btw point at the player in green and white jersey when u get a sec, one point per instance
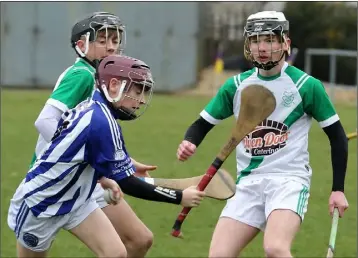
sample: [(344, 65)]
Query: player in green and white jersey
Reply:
[(92, 39), (96, 36), (273, 167)]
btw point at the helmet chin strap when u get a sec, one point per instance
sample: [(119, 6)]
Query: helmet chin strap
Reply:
[(271, 64), (122, 113), (83, 54), (79, 51), (120, 93)]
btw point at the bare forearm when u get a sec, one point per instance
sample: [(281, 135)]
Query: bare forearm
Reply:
[(135, 163)]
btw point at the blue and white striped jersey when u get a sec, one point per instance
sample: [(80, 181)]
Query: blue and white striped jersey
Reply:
[(87, 145)]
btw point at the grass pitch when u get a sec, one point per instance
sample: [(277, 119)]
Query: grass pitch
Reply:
[(154, 139)]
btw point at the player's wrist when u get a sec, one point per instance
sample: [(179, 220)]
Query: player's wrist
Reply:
[(135, 163), (138, 188), (338, 181), (338, 188)]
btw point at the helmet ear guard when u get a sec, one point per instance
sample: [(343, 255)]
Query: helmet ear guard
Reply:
[(103, 86), (78, 50)]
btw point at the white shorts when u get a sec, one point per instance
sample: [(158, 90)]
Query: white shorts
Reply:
[(257, 197), (37, 234), (98, 196)]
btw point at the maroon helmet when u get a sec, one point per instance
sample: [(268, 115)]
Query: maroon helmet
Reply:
[(130, 72)]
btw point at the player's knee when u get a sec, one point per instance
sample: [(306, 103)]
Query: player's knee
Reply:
[(275, 249), (146, 241), (142, 242)]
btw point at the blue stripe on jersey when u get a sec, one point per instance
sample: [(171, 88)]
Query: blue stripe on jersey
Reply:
[(43, 168), (42, 206), (112, 125), (66, 206), (51, 182), (94, 183), (62, 136), (116, 129), (110, 164), (22, 221), (75, 147), (67, 156), (19, 215)]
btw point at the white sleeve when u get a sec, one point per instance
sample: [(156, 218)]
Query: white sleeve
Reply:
[(46, 123)]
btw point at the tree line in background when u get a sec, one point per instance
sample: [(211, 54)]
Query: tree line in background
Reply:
[(312, 25), (322, 25)]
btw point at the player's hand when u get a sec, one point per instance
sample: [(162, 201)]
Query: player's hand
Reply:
[(185, 150), (142, 169), (192, 197), (116, 191), (338, 200)]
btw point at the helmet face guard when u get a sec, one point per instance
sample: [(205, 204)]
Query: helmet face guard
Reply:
[(265, 23), (138, 91), (144, 92)]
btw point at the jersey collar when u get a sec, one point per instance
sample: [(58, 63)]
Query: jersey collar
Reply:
[(273, 77), (85, 63)]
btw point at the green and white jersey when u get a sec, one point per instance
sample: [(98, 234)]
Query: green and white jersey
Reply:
[(73, 86), (279, 145)]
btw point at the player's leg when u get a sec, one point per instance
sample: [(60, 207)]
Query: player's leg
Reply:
[(286, 204), (230, 237), (281, 228), (23, 252), (93, 228), (240, 221), (136, 237)]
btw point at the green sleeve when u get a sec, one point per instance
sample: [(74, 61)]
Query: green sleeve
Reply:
[(317, 103), (75, 87), (221, 106)]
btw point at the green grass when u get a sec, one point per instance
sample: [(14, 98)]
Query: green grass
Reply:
[(154, 139)]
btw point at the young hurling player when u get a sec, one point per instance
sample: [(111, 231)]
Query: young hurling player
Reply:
[(88, 146), (98, 35), (274, 174)]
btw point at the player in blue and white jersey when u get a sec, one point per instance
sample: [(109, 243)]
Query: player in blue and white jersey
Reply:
[(95, 36), (88, 146)]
